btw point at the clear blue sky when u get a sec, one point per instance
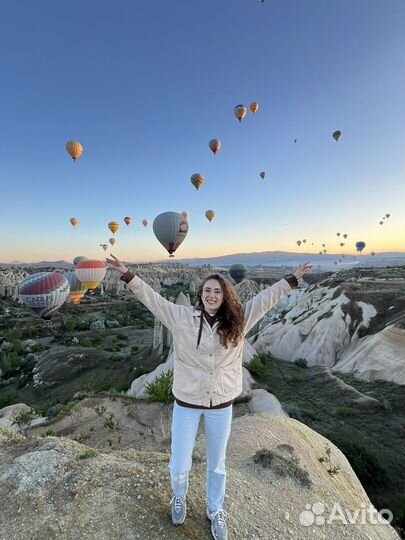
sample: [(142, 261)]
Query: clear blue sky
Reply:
[(145, 85)]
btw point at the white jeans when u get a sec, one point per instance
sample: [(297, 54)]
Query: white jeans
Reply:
[(185, 424)]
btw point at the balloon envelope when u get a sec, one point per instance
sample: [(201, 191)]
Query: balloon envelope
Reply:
[(90, 272), (74, 221), (254, 107), (215, 145), (263, 175), (44, 292), (240, 111), (197, 180), (77, 288), (112, 241), (145, 222), (360, 246), (128, 220), (210, 215), (336, 135), (170, 229), (78, 259), (114, 226), (74, 149), (186, 215), (238, 272)]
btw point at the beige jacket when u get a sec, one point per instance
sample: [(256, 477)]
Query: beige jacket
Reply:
[(211, 372)]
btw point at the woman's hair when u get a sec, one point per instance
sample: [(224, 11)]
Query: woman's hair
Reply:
[(230, 314)]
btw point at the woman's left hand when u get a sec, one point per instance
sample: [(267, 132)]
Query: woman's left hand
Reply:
[(303, 269)]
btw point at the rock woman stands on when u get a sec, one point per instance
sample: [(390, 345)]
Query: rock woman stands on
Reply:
[(208, 345)]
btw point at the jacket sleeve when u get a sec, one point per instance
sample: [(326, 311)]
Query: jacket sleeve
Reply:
[(264, 301), (167, 312)]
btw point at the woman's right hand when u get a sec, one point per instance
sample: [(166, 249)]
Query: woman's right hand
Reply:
[(116, 264)]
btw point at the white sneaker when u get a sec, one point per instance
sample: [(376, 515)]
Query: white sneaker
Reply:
[(219, 529), (178, 509)]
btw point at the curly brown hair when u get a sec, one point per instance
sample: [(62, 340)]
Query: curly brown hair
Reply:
[(230, 314)]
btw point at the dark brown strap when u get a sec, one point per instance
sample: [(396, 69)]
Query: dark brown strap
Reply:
[(127, 277), (192, 406), (291, 280)]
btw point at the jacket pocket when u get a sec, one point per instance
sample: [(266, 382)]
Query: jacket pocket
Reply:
[(187, 379), (230, 379)]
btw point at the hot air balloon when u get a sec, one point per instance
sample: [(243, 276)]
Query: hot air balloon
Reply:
[(197, 180), (91, 273), (304, 240), (74, 221), (254, 107), (145, 222), (104, 246), (238, 272), (295, 140), (186, 215), (114, 226), (240, 112), (343, 256), (170, 229), (324, 250), (44, 292), (336, 135), (336, 262), (127, 220), (215, 145), (78, 259), (387, 215), (338, 234), (263, 175), (210, 215), (381, 223), (372, 253), (320, 253), (360, 246), (323, 245), (77, 288), (345, 235), (298, 242), (74, 149), (112, 241), (341, 244)]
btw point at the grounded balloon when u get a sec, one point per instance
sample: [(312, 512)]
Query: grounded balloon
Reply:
[(78, 259), (262, 175), (254, 107), (74, 149), (336, 262), (145, 222), (343, 256), (114, 226), (128, 220), (170, 229), (360, 246), (210, 215), (240, 112), (74, 221), (238, 272), (197, 180), (77, 288), (90, 273), (186, 215), (298, 242), (336, 135), (215, 145), (112, 241), (44, 292)]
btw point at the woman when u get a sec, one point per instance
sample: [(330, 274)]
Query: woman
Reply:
[(207, 346)]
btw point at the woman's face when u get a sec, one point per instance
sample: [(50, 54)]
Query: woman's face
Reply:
[(212, 296)]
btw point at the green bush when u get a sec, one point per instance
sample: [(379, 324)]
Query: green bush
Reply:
[(86, 343), (70, 325), (256, 367), (9, 397), (11, 362), (161, 388), (345, 411)]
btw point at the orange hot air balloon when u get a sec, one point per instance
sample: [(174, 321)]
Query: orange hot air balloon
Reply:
[(254, 107), (145, 222), (128, 220), (186, 215), (197, 180), (74, 221), (114, 226), (74, 149), (215, 145), (90, 273), (210, 215), (112, 241)]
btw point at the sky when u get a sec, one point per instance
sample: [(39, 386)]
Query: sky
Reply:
[(144, 86)]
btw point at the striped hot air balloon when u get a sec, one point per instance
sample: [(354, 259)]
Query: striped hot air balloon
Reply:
[(78, 259), (114, 226), (44, 292), (91, 273), (77, 288), (197, 180)]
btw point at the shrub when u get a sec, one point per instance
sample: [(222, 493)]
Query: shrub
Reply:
[(54, 410), (70, 325), (86, 343), (283, 465), (345, 411), (293, 411), (90, 453), (9, 397), (301, 362), (256, 367), (364, 462), (23, 420), (161, 388)]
